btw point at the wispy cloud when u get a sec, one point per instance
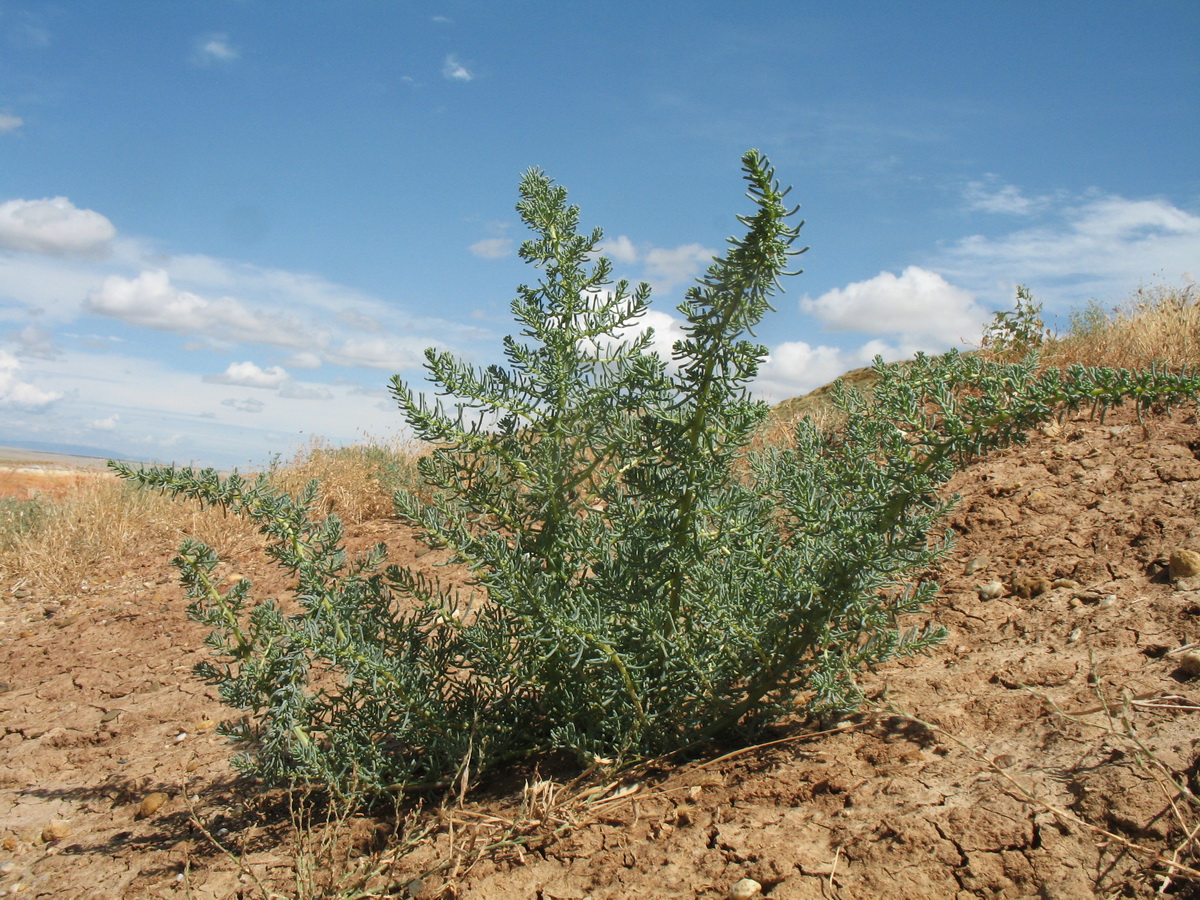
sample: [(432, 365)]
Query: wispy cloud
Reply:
[(36, 343), (454, 70), (28, 34), (9, 122), (1092, 247), (249, 405), (492, 248), (992, 196), (214, 49), (392, 354)]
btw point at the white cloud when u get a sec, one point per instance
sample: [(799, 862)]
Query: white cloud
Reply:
[(294, 391), (36, 343), (106, 424), (388, 353), (492, 248), (917, 304), (247, 374), (453, 70), (992, 196), (304, 360), (663, 267), (249, 405), (796, 367), (620, 249), (151, 301), (667, 267), (1099, 247), (9, 122), (55, 227), (18, 393), (667, 330), (359, 321), (213, 48)]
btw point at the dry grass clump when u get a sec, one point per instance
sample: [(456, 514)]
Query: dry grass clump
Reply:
[(357, 482), (56, 544), (1157, 326), (53, 544)]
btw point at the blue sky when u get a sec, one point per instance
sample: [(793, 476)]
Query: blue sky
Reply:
[(224, 224)]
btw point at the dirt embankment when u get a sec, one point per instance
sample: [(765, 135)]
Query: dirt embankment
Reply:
[(1045, 691)]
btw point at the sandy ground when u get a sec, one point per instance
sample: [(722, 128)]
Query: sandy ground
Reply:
[(985, 769)]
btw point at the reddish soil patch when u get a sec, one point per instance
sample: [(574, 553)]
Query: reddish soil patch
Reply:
[(26, 482), (98, 711)]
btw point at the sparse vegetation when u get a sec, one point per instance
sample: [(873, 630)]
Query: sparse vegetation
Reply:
[(54, 545), (645, 590), (1157, 326), (832, 511), (358, 482)]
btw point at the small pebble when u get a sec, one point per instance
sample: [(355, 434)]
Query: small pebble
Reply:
[(55, 830), (1184, 563), (744, 889), (150, 804), (1106, 602), (975, 564), (205, 725), (1190, 663), (990, 591), (6, 867), (181, 736)]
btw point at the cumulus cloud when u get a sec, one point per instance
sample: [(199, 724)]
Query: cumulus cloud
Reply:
[(917, 304), (797, 367), (213, 49), (17, 393), (151, 301), (109, 423), (454, 70), (492, 248), (667, 330), (247, 374), (54, 227), (9, 122)]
